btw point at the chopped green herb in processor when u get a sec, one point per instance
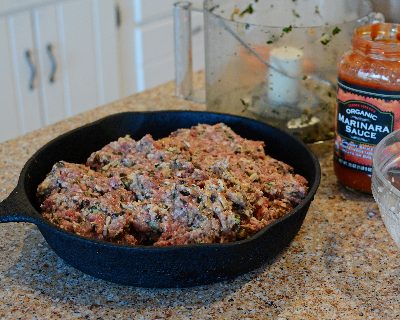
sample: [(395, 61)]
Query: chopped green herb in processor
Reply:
[(248, 10)]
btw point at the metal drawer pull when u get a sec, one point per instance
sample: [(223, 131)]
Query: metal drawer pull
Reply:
[(53, 63), (197, 30), (118, 20), (28, 56)]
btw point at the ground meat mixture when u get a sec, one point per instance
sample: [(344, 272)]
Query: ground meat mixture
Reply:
[(205, 184)]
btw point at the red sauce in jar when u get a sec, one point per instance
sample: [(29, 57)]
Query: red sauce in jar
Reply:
[(368, 105)]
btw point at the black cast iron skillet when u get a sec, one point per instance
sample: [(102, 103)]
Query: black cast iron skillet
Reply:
[(147, 266)]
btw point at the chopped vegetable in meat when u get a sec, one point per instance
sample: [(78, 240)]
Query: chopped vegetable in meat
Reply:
[(205, 184)]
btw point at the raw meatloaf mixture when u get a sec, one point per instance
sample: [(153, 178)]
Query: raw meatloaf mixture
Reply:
[(200, 185)]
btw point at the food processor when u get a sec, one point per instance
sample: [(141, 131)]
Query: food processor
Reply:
[(272, 60)]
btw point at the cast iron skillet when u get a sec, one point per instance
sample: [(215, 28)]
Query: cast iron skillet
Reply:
[(146, 266)]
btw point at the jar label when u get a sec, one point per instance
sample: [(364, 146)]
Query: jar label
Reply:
[(364, 117)]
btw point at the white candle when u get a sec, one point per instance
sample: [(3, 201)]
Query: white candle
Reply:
[(283, 75)]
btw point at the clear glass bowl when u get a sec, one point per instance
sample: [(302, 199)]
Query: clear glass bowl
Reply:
[(386, 182)]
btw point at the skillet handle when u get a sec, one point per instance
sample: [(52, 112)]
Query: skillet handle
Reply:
[(16, 208)]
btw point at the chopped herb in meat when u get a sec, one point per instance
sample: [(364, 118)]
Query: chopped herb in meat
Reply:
[(205, 184)]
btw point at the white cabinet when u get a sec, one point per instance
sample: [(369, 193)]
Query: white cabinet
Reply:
[(146, 43), (155, 44), (126, 47), (89, 53), (19, 97), (62, 57), (48, 47), (10, 124), (58, 60), (147, 11)]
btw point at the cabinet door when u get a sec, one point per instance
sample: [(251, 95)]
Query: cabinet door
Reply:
[(155, 51), (154, 54), (10, 124), (77, 45), (78, 55), (126, 47), (47, 37), (87, 52), (152, 10), (106, 41), (19, 95)]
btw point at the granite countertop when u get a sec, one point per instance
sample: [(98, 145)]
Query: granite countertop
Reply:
[(342, 264)]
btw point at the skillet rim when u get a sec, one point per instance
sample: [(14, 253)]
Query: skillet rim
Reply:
[(38, 219)]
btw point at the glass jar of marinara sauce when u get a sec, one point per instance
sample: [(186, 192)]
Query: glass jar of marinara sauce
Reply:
[(368, 101)]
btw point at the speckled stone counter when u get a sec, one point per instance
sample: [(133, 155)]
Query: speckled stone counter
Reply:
[(341, 265)]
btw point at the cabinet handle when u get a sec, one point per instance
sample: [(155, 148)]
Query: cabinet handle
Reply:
[(28, 56), (197, 30), (53, 62), (117, 16)]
